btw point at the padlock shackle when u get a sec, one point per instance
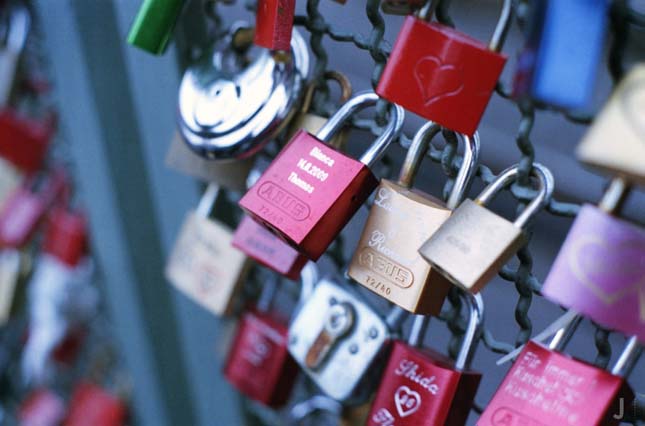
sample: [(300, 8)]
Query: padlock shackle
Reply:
[(615, 196), (395, 317), (207, 201), (316, 403), (563, 336), (19, 26), (267, 294), (349, 108), (546, 184), (417, 151), (342, 80), (475, 304), (628, 358), (417, 332)]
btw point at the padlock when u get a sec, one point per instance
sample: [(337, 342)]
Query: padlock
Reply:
[(310, 191), (203, 265), (227, 174), (474, 243), (401, 7), (386, 260), (42, 407), (18, 27), (621, 122), (340, 342), (234, 100), (154, 24), (274, 24), (423, 388), (442, 74), (91, 404), (563, 50), (24, 140), (309, 121), (546, 387), (600, 268), (268, 250), (259, 364)]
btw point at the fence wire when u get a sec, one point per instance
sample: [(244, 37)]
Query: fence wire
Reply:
[(622, 19)]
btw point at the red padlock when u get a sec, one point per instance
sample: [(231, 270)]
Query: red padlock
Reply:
[(274, 24), (92, 405), (310, 191), (442, 74), (259, 364), (548, 388), (41, 408), (265, 248), (26, 207), (24, 141), (421, 387), (66, 236)]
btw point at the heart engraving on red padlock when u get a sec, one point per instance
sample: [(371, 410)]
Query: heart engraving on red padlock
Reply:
[(437, 80), (597, 279), (407, 401)]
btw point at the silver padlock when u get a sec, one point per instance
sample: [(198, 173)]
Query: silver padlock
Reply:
[(340, 342), (17, 23), (234, 100)]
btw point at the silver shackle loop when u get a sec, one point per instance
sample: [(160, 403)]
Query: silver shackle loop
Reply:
[(475, 304)]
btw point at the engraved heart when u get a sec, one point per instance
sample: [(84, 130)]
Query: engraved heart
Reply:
[(407, 401), (437, 80), (632, 101), (610, 271)]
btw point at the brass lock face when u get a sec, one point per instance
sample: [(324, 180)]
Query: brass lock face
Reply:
[(473, 229), (386, 259), (615, 142), (204, 266)]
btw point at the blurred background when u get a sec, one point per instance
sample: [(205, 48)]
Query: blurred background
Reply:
[(149, 344)]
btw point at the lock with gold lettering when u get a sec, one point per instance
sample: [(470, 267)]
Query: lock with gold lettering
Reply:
[(203, 264), (310, 191), (421, 387), (386, 260), (615, 142), (475, 243)]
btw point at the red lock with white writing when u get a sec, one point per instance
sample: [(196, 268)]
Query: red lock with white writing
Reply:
[(442, 74), (265, 248), (310, 191), (259, 364), (421, 387), (545, 387), (274, 24)]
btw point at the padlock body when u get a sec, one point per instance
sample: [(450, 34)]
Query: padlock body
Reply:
[(92, 405), (615, 142), (19, 218), (549, 388), (441, 74), (261, 245), (204, 266), (227, 174), (274, 24), (24, 141), (560, 61), (42, 407), (259, 364), (599, 271), (154, 24), (347, 374), (386, 259), (422, 388), (472, 246), (309, 193)]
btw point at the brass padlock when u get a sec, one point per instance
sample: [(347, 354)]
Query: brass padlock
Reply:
[(615, 142), (227, 174), (386, 260), (203, 264), (474, 243), (312, 122)]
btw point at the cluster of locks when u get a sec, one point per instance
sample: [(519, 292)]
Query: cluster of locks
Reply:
[(414, 248), (52, 370)]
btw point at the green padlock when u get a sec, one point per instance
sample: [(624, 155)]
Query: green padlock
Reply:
[(154, 25)]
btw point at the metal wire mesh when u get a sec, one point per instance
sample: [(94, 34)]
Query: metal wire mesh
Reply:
[(527, 285)]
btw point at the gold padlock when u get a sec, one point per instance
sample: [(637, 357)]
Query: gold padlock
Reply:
[(311, 122), (386, 260), (203, 264), (474, 243), (230, 174), (401, 7), (615, 143)]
